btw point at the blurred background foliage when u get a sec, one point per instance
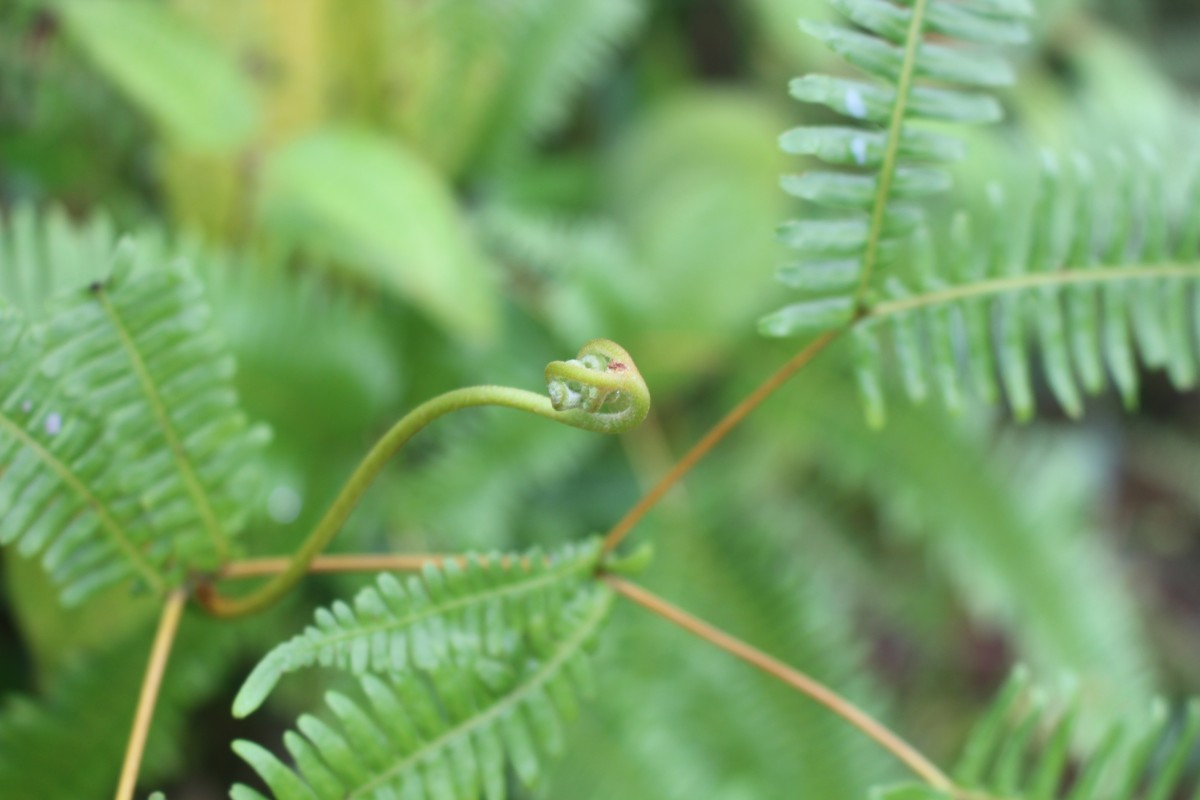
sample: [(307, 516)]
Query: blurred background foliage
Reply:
[(390, 199)]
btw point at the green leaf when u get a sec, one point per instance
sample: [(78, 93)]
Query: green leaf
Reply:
[(58, 494), (377, 209), (813, 316), (124, 451), (1081, 304), (1022, 748), (44, 254), (450, 610), (184, 81), (875, 210), (468, 728), (561, 46)]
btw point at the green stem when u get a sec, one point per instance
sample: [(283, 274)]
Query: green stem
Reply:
[(1017, 283), (363, 476), (600, 391), (887, 170)]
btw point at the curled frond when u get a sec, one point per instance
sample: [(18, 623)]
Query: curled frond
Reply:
[(1103, 276), (449, 732), (450, 611), (887, 164), (599, 390)]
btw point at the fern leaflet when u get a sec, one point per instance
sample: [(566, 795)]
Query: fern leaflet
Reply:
[(123, 449), (142, 346), (889, 169), (57, 480), (44, 254), (448, 732), (449, 611), (1089, 301), (1021, 749)]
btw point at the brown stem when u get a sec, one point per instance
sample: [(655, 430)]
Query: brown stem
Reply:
[(387, 562), (822, 694), (752, 401), (160, 651)]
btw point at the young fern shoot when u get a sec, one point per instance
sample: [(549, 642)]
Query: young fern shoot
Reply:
[(601, 390)]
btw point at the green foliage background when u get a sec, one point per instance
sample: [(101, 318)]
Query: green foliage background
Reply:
[(387, 200)]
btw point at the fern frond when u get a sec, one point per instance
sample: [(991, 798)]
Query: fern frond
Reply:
[(889, 164), (448, 733), (485, 79), (1022, 749), (1097, 282), (143, 346), (45, 254), (450, 611), (123, 450), (58, 486)]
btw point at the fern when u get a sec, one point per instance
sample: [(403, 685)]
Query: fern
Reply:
[(45, 254), (451, 610), (446, 732), (1022, 749), (488, 78), (891, 163), (124, 453), (1096, 283)]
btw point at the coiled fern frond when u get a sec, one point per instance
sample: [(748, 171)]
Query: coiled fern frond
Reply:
[(447, 731), (889, 164), (450, 611), (1022, 748), (1106, 273)]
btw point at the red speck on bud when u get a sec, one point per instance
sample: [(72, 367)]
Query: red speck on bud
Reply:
[(616, 366)]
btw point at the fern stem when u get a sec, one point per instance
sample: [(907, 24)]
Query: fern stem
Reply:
[(887, 169), (368, 562), (622, 528), (996, 286), (160, 651), (365, 474), (902, 750), (362, 478)]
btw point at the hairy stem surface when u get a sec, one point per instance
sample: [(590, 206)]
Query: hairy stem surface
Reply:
[(817, 691)]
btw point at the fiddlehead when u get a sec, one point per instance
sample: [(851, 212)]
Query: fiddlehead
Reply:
[(598, 390)]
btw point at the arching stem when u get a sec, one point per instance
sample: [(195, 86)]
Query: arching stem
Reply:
[(600, 390), (366, 472)]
